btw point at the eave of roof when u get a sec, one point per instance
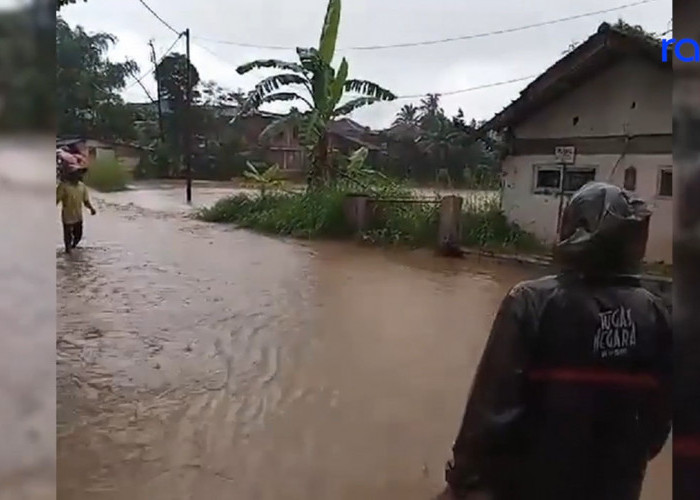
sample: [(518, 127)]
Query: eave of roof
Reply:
[(596, 54)]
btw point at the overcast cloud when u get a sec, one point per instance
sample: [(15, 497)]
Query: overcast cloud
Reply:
[(406, 71)]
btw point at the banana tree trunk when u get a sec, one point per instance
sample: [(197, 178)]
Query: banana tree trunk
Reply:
[(320, 166), (324, 158)]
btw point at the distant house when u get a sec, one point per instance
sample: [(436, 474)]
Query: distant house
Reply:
[(128, 155), (347, 135), (285, 148), (610, 100)]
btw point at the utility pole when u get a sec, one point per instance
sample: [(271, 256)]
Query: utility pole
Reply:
[(562, 193), (187, 125), (565, 155), (160, 106)]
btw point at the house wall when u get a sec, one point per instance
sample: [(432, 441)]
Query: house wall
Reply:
[(603, 107), (100, 149), (127, 156), (538, 213), (283, 149)]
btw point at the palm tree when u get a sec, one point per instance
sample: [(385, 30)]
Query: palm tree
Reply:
[(408, 116), (437, 141), (430, 106), (318, 88)]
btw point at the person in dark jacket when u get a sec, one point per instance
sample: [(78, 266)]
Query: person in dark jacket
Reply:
[(572, 396)]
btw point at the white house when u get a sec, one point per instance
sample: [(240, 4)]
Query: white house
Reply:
[(608, 101)]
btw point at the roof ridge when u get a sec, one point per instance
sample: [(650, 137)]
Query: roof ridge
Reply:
[(611, 39)]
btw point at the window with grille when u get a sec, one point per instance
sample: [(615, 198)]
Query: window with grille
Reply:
[(548, 178), (665, 182), (630, 183)]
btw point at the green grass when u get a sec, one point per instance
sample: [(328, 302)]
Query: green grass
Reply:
[(107, 176), (484, 225), (411, 224), (319, 214)]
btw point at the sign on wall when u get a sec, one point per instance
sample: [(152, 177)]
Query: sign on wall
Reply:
[(565, 154)]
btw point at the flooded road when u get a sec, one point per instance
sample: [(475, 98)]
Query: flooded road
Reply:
[(202, 361)]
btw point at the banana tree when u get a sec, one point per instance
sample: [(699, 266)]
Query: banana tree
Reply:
[(269, 179), (315, 85)]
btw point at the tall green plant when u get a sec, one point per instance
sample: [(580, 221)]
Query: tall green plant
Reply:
[(88, 85), (267, 180), (319, 88)]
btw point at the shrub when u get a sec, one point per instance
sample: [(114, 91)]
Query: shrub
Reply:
[(413, 224), (312, 214), (490, 229), (319, 214), (107, 175)]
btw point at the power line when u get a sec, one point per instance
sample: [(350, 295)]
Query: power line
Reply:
[(214, 54), (444, 40), (163, 22), (412, 44), (468, 89), (414, 96), (187, 154), (503, 31), (169, 26), (150, 72)]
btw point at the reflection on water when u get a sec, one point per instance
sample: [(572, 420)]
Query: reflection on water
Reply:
[(199, 361)]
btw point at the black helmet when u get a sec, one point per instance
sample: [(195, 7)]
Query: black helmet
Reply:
[(604, 230)]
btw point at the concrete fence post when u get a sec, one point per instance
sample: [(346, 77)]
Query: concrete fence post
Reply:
[(450, 227), (356, 208)]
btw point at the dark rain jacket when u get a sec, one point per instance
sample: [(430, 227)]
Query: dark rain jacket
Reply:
[(572, 395)]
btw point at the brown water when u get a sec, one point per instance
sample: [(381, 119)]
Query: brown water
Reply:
[(200, 361)]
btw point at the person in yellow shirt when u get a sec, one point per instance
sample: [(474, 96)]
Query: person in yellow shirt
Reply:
[(72, 194)]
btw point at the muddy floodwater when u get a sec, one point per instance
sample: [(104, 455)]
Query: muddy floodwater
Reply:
[(200, 361)]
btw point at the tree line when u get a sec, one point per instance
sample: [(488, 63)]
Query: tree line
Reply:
[(422, 144), (426, 144), (89, 104)]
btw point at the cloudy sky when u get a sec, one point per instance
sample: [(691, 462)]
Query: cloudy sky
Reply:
[(407, 71)]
